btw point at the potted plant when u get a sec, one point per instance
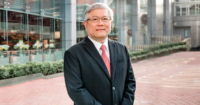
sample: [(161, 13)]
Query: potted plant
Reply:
[(3, 48), (36, 46), (20, 46), (26, 47)]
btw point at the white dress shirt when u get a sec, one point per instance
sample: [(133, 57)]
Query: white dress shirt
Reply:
[(98, 46)]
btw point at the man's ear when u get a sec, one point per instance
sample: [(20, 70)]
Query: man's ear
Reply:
[(85, 24)]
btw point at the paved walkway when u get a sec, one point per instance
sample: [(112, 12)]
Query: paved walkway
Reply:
[(167, 80)]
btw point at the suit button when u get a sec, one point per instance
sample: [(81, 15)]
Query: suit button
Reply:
[(113, 88)]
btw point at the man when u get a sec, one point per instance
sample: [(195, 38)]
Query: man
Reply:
[(98, 70)]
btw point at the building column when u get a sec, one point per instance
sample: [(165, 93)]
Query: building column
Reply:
[(151, 18), (135, 16), (194, 34), (167, 17), (68, 37), (121, 17)]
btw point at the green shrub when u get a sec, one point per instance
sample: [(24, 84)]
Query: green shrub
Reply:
[(158, 49), (144, 55), (17, 70), (170, 48), (5, 73), (183, 47), (133, 58), (150, 53), (139, 56), (157, 52)]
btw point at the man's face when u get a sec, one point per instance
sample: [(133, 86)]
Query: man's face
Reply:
[(98, 30)]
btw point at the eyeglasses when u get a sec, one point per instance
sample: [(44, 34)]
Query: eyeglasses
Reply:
[(97, 19)]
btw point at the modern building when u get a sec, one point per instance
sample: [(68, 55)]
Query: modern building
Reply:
[(59, 24), (186, 20)]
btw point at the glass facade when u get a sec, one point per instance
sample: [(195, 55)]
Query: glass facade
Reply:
[(30, 27)]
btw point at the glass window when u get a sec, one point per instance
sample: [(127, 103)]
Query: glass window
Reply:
[(16, 33), (34, 30), (186, 33), (58, 33), (178, 11), (113, 34), (192, 10), (184, 11), (81, 6), (15, 4), (198, 9), (3, 35)]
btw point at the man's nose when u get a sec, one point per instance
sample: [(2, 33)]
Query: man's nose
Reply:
[(100, 22)]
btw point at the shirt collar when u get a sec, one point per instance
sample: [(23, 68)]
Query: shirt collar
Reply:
[(98, 45)]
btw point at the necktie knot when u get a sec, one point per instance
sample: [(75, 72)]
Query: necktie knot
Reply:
[(103, 47)]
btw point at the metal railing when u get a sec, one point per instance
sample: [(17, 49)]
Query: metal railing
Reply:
[(155, 40), (165, 39)]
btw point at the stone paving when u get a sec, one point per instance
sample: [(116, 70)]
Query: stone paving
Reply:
[(168, 80)]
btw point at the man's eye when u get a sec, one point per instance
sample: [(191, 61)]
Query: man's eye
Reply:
[(95, 19), (105, 18)]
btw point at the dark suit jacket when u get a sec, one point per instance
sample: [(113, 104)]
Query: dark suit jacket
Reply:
[(87, 79)]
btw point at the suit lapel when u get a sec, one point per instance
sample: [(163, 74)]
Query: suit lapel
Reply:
[(90, 48), (112, 57)]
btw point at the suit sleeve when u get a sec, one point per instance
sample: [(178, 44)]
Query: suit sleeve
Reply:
[(130, 84), (74, 83)]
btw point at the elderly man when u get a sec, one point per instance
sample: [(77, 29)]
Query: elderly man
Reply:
[(98, 70)]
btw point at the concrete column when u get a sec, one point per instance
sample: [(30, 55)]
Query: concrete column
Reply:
[(194, 34), (167, 18), (172, 17), (152, 18), (121, 17), (68, 37), (135, 16), (146, 36)]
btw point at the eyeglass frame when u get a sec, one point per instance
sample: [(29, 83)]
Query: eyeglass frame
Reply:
[(99, 19)]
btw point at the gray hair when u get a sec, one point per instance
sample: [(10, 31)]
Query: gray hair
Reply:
[(97, 6)]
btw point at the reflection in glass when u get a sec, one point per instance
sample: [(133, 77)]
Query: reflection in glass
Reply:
[(35, 27), (192, 10), (25, 27), (113, 34), (3, 34)]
